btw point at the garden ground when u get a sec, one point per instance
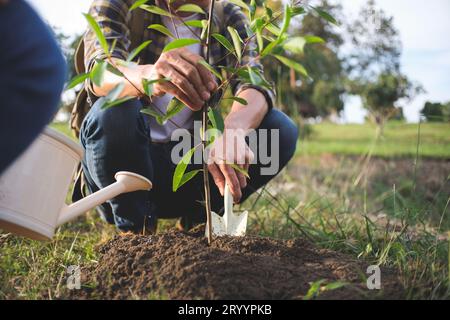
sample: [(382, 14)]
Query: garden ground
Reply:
[(345, 195)]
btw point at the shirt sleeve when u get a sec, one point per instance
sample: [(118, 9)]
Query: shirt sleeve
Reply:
[(112, 17), (238, 20)]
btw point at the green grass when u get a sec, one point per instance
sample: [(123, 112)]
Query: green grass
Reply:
[(336, 202), (399, 140)]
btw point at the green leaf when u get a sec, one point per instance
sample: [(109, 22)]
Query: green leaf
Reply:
[(297, 44), (112, 98), (148, 85), (237, 42), (162, 29), (98, 72), (188, 176), (286, 20), (149, 111), (292, 64), (137, 50), (181, 169), (269, 48), (113, 46), (174, 107), (254, 77), (252, 10), (211, 69), (258, 26), (297, 11), (191, 8), (314, 290), (273, 29), (155, 10), (269, 11), (178, 43), (116, 102), (325, 15), (204, 33), (216, 119), (80, 78), (98, 33), (137, 4), (335, 285), (111, 68), (239, 169), (238, 99), (313, 39), (223, 41), (281, 33), (194, 23), (251, 75)]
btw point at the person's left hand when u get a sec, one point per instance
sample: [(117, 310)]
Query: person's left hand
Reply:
[(230, 148)]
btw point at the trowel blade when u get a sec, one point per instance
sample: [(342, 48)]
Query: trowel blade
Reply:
[(218, 226), (237, 224)]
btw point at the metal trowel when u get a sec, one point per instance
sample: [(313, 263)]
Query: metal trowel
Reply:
[(230, 224)]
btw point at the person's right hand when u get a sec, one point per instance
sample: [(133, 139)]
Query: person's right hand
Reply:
[(190, 82)]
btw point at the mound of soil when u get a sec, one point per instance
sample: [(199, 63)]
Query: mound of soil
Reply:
[(180, 265)]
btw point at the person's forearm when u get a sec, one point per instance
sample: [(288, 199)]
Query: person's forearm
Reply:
[(133, 80), (250, 116)]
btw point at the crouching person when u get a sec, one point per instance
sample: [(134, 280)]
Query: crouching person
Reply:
[(122, 138)]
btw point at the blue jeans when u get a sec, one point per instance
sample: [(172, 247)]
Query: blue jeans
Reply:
[(117, 139), (32, 74)]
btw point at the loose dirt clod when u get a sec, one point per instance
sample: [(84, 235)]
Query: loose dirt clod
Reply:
[(179, 265)]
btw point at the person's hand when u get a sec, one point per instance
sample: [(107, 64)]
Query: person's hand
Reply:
[(190, 82), (230, 148)]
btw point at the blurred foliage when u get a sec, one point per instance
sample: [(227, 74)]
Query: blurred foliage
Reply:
[(380, 96), (322, 93)]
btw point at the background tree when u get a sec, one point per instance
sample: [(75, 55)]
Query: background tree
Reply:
[(376, 44), (373, 65), (380, 97), (436, 112)]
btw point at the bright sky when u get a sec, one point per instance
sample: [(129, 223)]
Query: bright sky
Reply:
[(424, 27)]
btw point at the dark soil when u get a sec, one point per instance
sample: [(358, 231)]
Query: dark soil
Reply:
[(178, 265)]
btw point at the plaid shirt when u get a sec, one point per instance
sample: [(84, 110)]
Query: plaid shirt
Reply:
[(115, 21)]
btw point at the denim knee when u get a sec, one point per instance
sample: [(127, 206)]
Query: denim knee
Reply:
[(288, 139), (288, 133), (116, 126)]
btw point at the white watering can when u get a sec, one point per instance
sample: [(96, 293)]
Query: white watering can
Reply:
[(34, 188)]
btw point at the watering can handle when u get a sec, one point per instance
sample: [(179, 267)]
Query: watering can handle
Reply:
[(126, 182)]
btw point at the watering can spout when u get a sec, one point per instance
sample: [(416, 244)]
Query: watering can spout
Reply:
[(125, 182)]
